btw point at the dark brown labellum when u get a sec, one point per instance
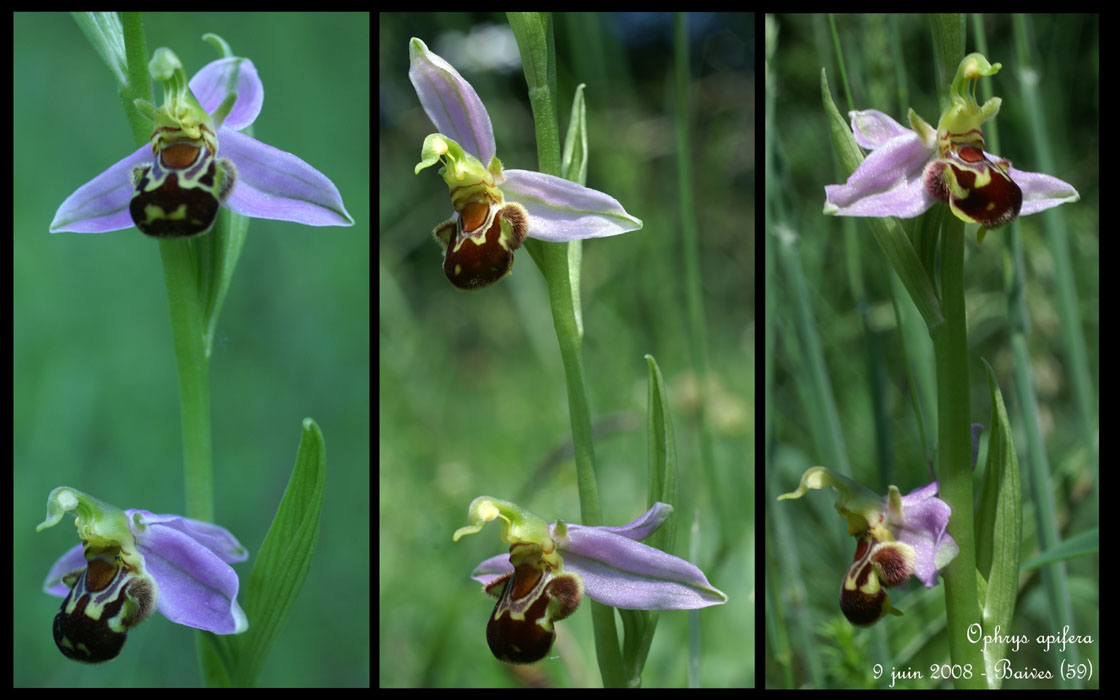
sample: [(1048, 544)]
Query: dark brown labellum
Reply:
[(521, 630), (862, 600), (877, 565), (478, 257), (478, 262), (976, 189), (864, 609), (180, 193), (106, 599)]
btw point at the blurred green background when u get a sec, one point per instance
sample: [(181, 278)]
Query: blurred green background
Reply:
[(472, 397), (96, 396), (844, 276)]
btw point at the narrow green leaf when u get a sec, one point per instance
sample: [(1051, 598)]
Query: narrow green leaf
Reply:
[(574, 168), (639, 625), (217, 255), (888, 232), (1079, 545), (284, 559), (662, 456), (106, 35), (999, 527), (981, 588), (574, 161), (214, 660)]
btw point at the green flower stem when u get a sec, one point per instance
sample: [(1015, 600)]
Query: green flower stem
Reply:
[(188, 331), (184, 298), (559, 263), (188, 339), (552, 258), (553, 261), (954, 455), (954, 439), (138, 85)]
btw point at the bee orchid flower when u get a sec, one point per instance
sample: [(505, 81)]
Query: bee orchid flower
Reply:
[(897, 537), (494, 209), (132, 562), (551, 566), (174, 186), (910, 170)]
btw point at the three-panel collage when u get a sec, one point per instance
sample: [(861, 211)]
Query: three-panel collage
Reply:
[(738, 350), (191, 384)]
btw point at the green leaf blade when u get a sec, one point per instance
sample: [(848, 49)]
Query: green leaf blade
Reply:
[(888, 231), (999, 529), (285, 557)]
